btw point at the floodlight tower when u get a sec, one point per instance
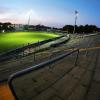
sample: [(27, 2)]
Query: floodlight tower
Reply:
[(29, 16), (76, 17), (29, 20)]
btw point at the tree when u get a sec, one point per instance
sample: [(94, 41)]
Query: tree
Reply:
[(68, 28), (81, 29), (6, 26)]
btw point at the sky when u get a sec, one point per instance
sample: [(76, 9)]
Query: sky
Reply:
[(54, 13)]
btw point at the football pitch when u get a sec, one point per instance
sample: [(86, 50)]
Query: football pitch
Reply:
[(9, 41)]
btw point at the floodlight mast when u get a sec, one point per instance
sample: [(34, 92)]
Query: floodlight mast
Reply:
[(29, 17), (29, 20), (76, 17)]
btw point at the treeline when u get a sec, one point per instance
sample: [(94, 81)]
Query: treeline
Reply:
[(6, 27), (36, 27), (81, 29)]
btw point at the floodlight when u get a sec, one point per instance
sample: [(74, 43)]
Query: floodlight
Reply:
[(76, 16)]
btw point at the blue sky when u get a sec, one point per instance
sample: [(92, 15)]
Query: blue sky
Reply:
[(55, 13)]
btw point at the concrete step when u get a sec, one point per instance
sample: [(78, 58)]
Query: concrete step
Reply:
[(60, 78)]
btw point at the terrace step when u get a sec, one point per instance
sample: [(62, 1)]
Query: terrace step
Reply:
[(59, 80)]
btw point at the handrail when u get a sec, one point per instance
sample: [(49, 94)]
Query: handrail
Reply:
[(29, 46), (37, 67), (15, 52)]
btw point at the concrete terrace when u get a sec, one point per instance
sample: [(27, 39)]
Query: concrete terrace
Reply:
[(61, 80)]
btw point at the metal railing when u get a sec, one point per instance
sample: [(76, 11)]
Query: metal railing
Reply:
[(37, 67), (19, 51)]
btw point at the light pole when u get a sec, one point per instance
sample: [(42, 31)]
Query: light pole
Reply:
[(29, 20), (30, 12), (76, 16)]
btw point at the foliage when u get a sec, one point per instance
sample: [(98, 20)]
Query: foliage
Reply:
[(6, 27), (81, 29)]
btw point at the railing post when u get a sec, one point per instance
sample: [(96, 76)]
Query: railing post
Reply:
[(23, 53), (39, 45), (34, 55), (86, 53), (51, 56), (28, 48), (76, 60), (12, 89)]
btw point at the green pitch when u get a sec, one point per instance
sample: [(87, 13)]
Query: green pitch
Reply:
[(13, 40)]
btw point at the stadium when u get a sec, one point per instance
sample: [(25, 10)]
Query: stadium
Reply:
[(48, 51), (20, 44)]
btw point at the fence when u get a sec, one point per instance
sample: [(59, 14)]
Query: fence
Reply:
[(19, 52)]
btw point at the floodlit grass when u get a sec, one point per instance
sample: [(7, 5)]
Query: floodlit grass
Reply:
[(13, 40)]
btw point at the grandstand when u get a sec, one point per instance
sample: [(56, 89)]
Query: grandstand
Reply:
[(63, 74)]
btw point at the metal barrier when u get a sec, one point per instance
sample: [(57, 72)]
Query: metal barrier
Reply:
[(16, 52), (37, 67)]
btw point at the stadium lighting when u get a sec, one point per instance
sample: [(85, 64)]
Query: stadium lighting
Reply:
[(29, 20), (1, 25), (76, 16), (29, 15), (8, 26), (3, 31)]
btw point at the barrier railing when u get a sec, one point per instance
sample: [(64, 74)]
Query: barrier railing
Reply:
[(15, 53), (37, 67)]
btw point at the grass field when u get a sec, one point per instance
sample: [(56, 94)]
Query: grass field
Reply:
[(13, 40)]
